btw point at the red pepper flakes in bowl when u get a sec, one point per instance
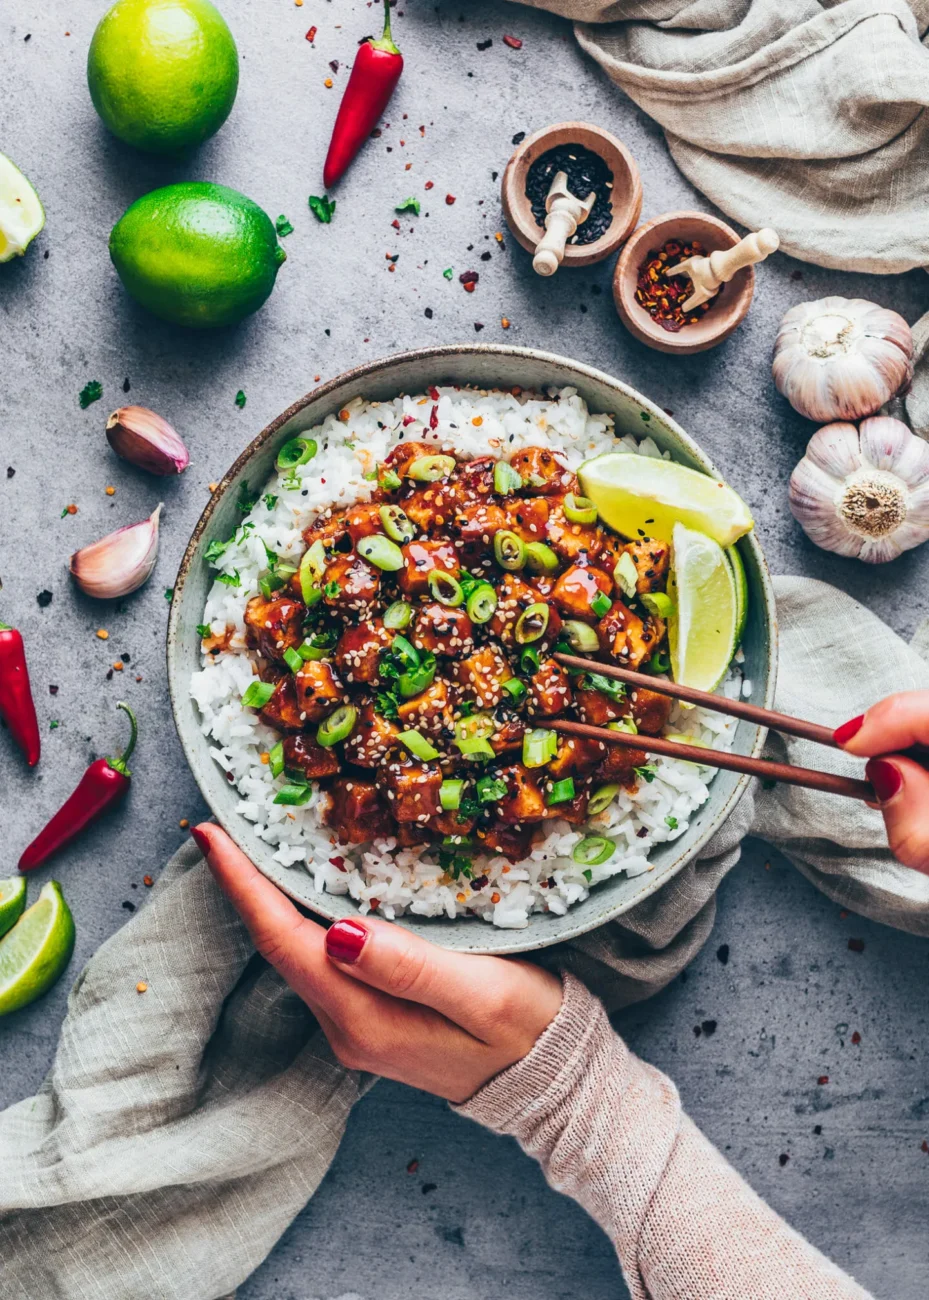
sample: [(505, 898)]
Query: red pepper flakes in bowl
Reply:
[(662, 296)]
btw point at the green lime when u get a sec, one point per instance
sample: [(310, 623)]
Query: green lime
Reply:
[(12, 901), (197, 254), (741, 590), (37, 949), (642, 495), (163, 73), (21, 213), (702, 634)]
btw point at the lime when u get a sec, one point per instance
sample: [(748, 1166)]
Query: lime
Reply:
[(702, 635), (37, 949), (21, 213), (197, 254), (12, 901), (741, 590), (644, 496), (163, 73)]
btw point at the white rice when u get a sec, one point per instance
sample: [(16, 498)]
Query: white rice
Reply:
[(351, 443)]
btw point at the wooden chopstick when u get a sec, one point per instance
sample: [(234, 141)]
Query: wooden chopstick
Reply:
[(761, 767)]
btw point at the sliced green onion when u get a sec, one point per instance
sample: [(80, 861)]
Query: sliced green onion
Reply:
[(656, 602), (294, 796), (515, 688), (561, 791), (601, 799), (481, 725), (624, 724), (579, 509), (381, 552), (509, 550), (269, 583), (482, 603), (476, 747), (626, 575), (539, 747), (450, 795), (532, 623), (337, 726), (429, 469), (293, 659), (390, 480), (506, 478), (276, 759), (312, 568), (296, 452), (445, 588), (415, 681), (593, 851), (311, 651), (659, 662), (258, 694), (313, 596), (406, 650), (418, 745), (529, 661), (540, 558), (398, 615), (397, 524), (581, 635), (601, 604)]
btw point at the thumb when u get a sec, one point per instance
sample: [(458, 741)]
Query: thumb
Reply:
[(902, 787)]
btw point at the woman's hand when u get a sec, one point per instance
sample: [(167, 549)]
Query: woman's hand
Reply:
[(902, 786), (389, 1002)]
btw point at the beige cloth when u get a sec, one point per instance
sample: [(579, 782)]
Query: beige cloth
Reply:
[(608, 1130), (803, 115), (178, 1134)]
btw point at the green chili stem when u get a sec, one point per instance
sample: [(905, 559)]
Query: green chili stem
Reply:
[(119, 764)]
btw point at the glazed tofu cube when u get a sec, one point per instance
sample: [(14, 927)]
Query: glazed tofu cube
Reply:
[(513, 842), (572, 542), (513, 596), (574, 812), (431, 507), (359, 650), (650, 710), (373, 737), (527, 517), (409, 834), (282, 710), (350, 586), (356, 812), (363, 521), (420, 558), (274, 626), (619, 765), (576, 757), (627, 638), (453, 822), (599, 709), (330, 528), (652, 560), (577, 588), (319, 691), (482, 675), (549, 690), (476, 526), (303, 754), (508, 736), (412, 790), (524, 801), (443, 630), (401, 457), (540, 471), (429, 712)]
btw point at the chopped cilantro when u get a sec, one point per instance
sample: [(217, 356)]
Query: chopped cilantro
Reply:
[(64, 512), (466, 708), (91, 392), (240, 399), (647, 773), (204, 629), (387, 705), (587, 874), (283, 226), (322, 208), (331, 590), (448, 272), (408, 205), (671, 822), (54, 723), (605, 685), (229, 579), (273, 557), (270, 500), (490, 788), (245, 501), (645, 416), (469, 807), (169, 593), (454, 857), (215, 551)]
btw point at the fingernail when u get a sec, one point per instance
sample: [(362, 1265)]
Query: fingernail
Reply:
[(345, 940), (842, 735), (201, 840), (885, 778)]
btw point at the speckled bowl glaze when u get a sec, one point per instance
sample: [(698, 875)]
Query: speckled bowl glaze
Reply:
[(484, 367)]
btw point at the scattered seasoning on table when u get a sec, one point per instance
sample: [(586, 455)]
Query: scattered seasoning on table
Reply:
[(722, 954), (513, 42), (283, 226), (184, 823), (856, 1038), (478, 326), (412, 1167), (141, 987), (118, 666), (102, 633), (468, 279), (661, 295), (585, 171), (449, 199), (856, 945), (328, 83), (505, 322), (322, 208), (91, 392), (10, 471), (69, 510), (519, 137), (485, 45), (110, 491), (44, 599), (240, 399), (311, 35), (782, 1159), (147, 881), (53, 690), (823, 1080), (448, 272), (429, 185)]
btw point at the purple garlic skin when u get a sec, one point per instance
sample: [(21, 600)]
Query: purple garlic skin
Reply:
[(144, 438), (863, 492), (841, 358), (119, 563)]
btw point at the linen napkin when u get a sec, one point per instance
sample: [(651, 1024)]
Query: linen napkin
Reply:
[(178, 1134)]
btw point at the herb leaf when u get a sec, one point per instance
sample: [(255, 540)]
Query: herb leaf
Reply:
[(240, 399), (270, 500), (229, 579), (91, 392), (647, 773), (204, 629), (215, 551), (283, 226), (408, 205), (322, 208), (245, 501)]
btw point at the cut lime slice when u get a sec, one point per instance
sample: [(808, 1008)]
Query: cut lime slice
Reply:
[(21, 213), (702, 636), (643, 496), (12, 901), (37, 949), (741, 591)]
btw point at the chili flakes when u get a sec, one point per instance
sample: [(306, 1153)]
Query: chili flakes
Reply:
[(662, 296)]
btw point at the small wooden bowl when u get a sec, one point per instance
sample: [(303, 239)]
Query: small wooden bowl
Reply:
[(625, 196), (729, 307)]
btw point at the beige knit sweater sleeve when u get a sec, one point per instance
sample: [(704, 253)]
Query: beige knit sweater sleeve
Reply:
[(609, 1131)]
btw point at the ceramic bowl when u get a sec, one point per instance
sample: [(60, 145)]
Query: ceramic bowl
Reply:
[(486, 367)]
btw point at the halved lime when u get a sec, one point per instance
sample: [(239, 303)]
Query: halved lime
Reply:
[(37, 949), (21, 213), (643, 496), (702, 636), (741, 591), (12, 901)]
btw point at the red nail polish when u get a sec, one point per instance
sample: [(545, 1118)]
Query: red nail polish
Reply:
[(842, 735), (885, 778), (201, 840), (345, 940)]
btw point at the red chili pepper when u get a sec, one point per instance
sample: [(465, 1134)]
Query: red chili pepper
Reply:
[(375, 73), (104, 783), (16, 706)]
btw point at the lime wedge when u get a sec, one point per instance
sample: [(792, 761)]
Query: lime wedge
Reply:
[(643, 496), (21, 214), (741, 591), (12, 901), (37, 949), (703, 634)]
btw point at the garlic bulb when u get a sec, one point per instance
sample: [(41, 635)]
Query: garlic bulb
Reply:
[(841, 358), (864, 492), (144, 438), (120, 562)]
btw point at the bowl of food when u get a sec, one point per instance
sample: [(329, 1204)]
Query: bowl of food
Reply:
[(362, 637)]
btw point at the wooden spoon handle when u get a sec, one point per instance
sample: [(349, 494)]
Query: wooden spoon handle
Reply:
[(752, 249)]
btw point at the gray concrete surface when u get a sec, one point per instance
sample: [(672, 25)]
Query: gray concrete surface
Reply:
[(475, 1220)]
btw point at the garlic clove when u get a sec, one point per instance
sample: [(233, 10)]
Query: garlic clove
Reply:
[(144, 438), (836, 450), (119, 563)]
